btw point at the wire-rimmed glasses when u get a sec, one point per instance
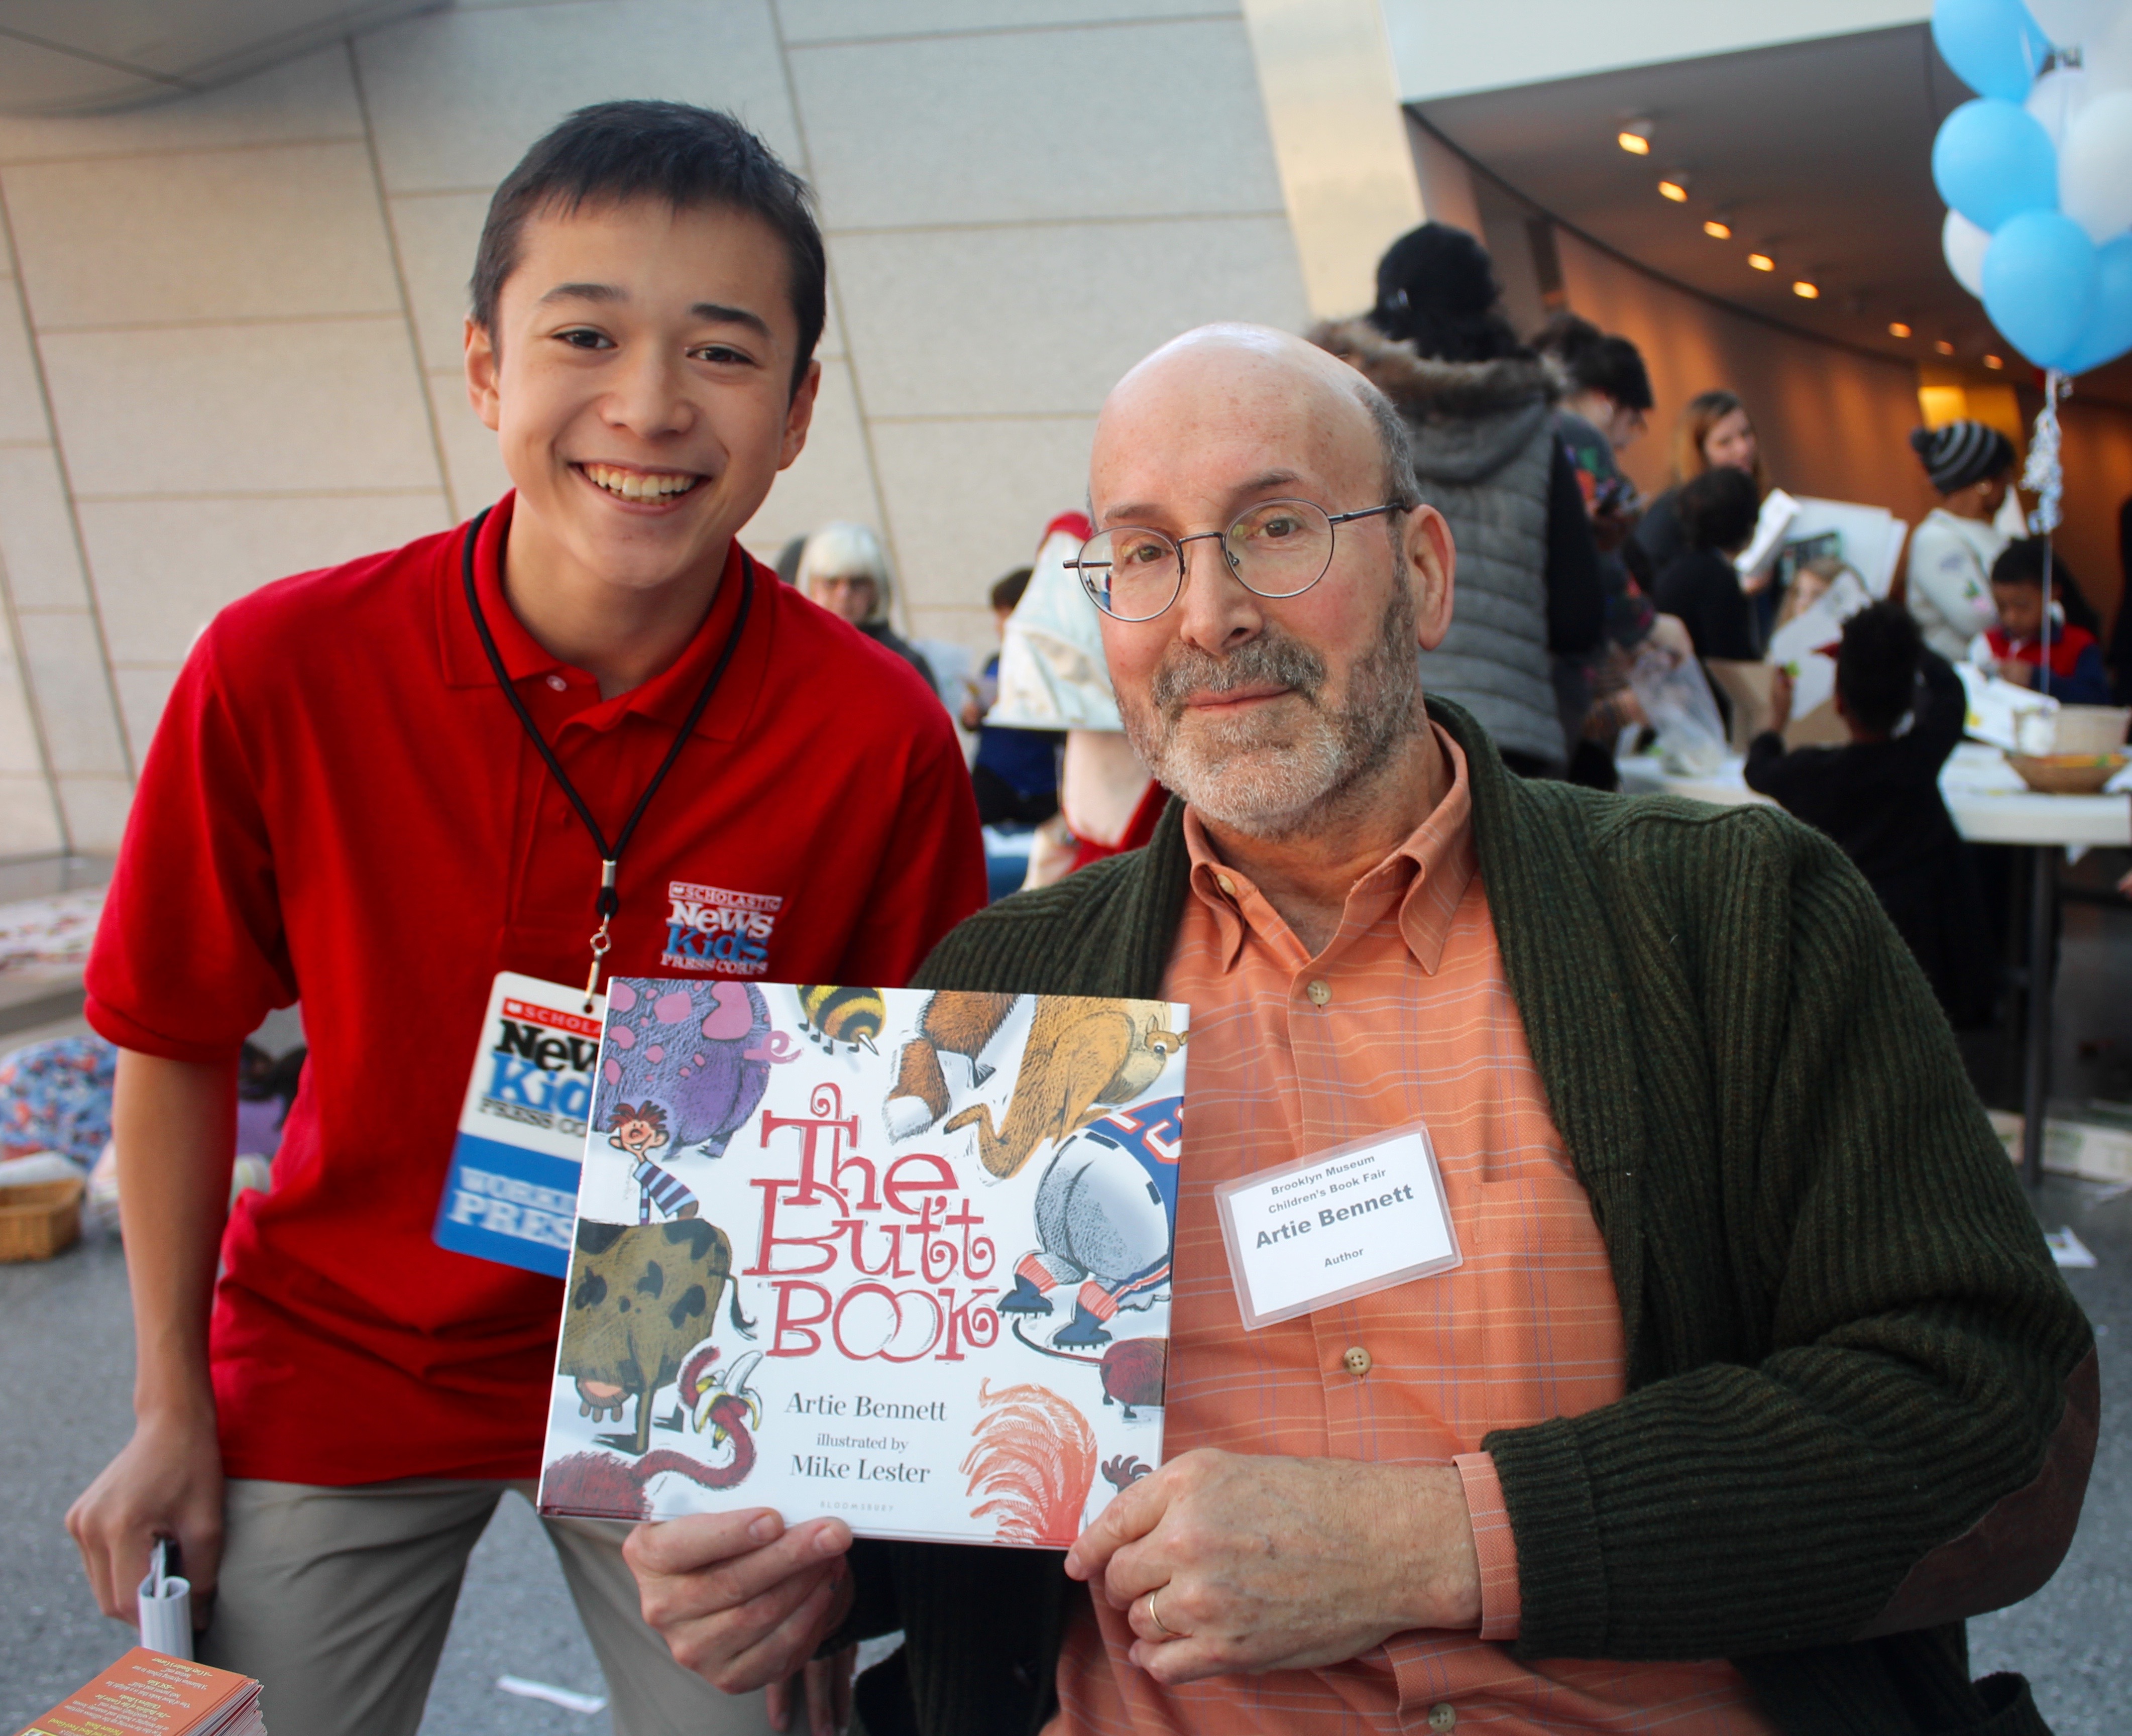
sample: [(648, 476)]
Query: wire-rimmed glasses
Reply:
[(1278, 548)]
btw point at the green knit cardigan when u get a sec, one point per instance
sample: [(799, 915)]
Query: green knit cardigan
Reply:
[(1847, 1340)]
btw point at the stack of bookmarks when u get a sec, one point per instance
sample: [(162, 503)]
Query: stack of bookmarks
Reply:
[(146, 1694)]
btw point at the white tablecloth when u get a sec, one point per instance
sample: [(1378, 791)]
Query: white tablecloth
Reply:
[(1990, 803)]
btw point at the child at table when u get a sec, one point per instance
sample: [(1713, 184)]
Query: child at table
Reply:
[(2072, 673), (1878, 797)]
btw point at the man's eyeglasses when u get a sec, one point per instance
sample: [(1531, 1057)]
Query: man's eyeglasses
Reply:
[(1279, 548)]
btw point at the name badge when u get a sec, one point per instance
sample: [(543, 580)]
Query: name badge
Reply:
[(1331, 1227), (512, 1195)]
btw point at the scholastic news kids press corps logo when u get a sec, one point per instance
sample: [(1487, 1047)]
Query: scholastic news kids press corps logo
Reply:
[(708, 928)]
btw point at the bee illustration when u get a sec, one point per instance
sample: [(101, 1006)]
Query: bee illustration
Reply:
[(831, 1015)]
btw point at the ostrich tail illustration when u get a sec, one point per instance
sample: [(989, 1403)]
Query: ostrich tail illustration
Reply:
[(1034, 1458), (593, 1486)]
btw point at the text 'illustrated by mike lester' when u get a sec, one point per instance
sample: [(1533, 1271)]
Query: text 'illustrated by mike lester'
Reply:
[(897, 1256)]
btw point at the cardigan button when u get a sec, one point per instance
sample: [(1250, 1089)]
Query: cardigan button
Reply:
[(1355, 1360), (1443, 1716)]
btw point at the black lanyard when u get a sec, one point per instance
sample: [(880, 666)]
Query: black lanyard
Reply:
[(609, 901)]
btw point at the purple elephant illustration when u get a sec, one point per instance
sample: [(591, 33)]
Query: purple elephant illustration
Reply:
[(701, 1052)]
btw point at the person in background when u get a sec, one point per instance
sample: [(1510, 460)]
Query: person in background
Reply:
[(1607, 393), (2119, 657), (1948, 587), (1015, 773), (1714, 433), (844, 568), (1700, 584), (788, 560), (1878, 796), (2055, 656), (1478, 407)]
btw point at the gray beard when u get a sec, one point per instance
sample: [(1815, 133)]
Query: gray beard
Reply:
[(1267, 777)]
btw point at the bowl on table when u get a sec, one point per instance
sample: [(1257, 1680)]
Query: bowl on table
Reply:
[(2067, 774)]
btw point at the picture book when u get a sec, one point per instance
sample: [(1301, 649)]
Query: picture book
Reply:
[(146, 1694), (901, 1258)]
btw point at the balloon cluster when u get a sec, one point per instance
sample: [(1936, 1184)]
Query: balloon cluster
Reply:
[(2037, 172)]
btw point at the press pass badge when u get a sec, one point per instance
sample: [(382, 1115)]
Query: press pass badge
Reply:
[(1340, 1225), (513, 1192)]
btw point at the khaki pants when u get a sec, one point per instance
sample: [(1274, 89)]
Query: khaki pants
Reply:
[(338, 1601)]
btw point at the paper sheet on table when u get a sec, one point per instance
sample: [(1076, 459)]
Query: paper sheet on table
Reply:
[(1998, 712), (1798, 647), (1778, 509)]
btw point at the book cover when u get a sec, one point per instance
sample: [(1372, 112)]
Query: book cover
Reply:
[(899, 1257), (147, 1694)]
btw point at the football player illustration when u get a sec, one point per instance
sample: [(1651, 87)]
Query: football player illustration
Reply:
[(1105, 1211)]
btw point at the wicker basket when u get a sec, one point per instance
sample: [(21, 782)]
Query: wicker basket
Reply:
[(37, 1221), (2067, 774)]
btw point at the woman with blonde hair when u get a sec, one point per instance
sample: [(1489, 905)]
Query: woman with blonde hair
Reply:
[(1714, 430), (844, 568)]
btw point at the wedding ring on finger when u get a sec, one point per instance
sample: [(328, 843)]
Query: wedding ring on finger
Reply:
[(1154, 1615)]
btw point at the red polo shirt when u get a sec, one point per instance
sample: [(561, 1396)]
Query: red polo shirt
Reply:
[(340, 805)]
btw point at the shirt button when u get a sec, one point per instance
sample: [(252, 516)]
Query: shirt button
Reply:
[(559, 684), (1356, 1360), (1318, 991), (1228, 886), (1443, 1716)]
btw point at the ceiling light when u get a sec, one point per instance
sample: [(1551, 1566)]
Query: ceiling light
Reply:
[(1943, 347), (1673, 191), (1896, 329), (1761, 261), (1717, 231), (1806, 291), (1635, 138), (1994, 361)]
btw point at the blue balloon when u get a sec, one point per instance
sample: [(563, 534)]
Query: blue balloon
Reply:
[(1993, 161), (2039, 279), (1994, 47), (2108, 331)]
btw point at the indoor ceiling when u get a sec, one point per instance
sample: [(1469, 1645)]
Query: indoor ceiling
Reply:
[(1816, 155), (80, 56)]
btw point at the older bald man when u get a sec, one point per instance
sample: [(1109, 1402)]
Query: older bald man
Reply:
[(1755, 1378)]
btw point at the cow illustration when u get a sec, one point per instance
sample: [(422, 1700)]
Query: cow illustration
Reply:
[(640, 1301)]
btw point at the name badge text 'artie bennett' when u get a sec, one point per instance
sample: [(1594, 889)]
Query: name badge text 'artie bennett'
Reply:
[(899, 1257), (1335, 1226)]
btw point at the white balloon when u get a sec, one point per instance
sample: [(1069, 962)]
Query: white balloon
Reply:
[(1964, 243), (2067, 22), (2109, 57), (2095, 166), (2055, 98)]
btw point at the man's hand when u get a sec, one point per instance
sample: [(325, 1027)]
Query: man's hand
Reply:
[(167, 1481), (2014, 670), (739, 1599), (1252, 1563)]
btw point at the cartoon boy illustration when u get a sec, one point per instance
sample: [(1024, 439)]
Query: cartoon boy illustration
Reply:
[(638, 1132)]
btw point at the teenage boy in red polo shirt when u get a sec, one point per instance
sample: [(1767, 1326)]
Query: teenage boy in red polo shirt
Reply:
[(343, 803)]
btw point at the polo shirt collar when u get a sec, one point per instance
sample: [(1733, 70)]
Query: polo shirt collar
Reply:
[(666, 697), (1429, 875)]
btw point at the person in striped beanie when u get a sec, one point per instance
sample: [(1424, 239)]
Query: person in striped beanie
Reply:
[(1949, 587)]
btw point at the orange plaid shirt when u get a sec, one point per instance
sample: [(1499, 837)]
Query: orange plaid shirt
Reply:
[(1406, 1016)]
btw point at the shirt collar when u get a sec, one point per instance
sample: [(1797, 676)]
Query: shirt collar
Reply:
[(1427, 875), (666, 697)]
